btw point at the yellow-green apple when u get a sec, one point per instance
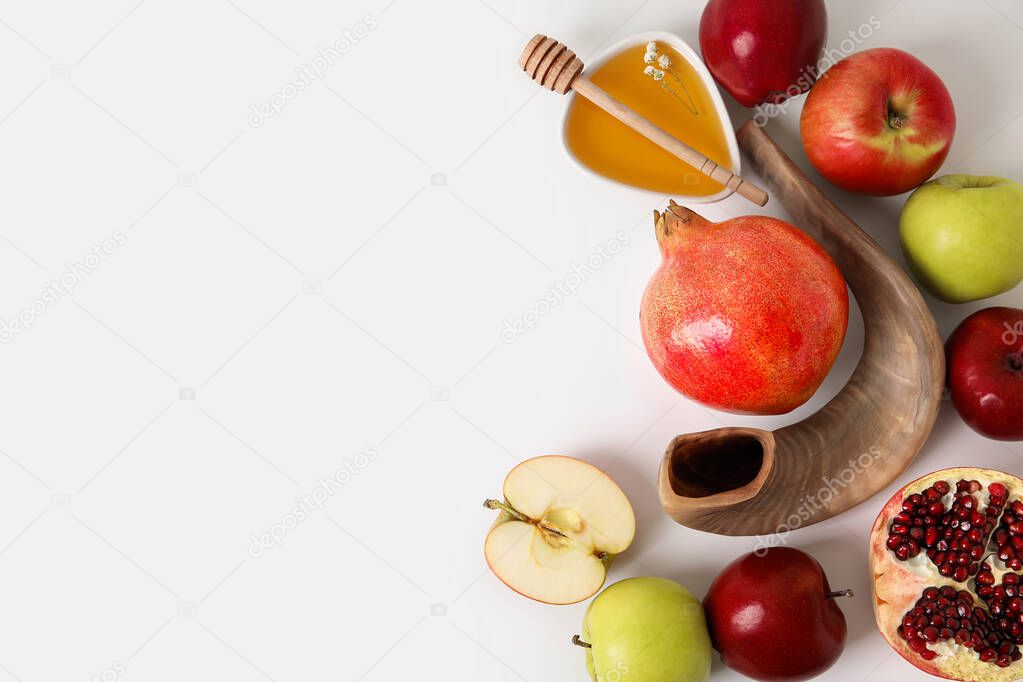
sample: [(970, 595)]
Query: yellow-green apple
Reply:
[(879, 122), (773, 616), (646, 629), (962, 236), (985, 372), (562, 521), (747, 315)]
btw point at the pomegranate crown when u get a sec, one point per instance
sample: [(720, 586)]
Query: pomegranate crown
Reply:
[(670, 225)]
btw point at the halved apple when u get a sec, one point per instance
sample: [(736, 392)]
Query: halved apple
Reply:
[(562, 522)]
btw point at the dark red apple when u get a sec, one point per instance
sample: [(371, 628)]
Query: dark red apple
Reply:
[(879, 122), (763, 51), (772, 616), (985, 372)]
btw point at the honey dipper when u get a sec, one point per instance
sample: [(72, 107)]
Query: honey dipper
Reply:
[(555, 67)]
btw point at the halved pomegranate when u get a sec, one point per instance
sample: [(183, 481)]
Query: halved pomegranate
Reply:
[(944, 556)]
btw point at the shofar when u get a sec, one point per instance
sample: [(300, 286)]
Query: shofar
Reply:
[(746, 481)]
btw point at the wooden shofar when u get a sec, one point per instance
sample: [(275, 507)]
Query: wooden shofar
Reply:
[(746, 481)]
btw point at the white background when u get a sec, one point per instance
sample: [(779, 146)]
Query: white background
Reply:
[(336, 279)]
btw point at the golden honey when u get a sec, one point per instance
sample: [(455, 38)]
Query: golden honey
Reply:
[(678, 102)]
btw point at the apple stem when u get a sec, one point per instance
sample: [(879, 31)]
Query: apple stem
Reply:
[(839, 593), (497, 504), (579, 642)]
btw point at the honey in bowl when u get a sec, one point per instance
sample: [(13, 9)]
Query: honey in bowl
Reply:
[(662, 86)]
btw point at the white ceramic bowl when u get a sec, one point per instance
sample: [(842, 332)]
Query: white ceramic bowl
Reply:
[(708, 81)]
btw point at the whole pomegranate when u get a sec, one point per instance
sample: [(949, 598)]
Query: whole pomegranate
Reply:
[(945, 559), (746, 316)]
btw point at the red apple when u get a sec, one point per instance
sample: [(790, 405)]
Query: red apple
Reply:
[(985, 372), (879, 122), (746, 316), (772, 616), (763, 51)]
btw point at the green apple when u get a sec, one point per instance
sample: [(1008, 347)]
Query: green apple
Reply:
[(649, 629), (963, 236)]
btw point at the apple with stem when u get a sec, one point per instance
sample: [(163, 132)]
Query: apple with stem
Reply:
[(773, 616), (562, 522), (648, 629), (878, 122)]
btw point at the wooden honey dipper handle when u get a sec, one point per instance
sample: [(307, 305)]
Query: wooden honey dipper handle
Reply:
[(555, 67)]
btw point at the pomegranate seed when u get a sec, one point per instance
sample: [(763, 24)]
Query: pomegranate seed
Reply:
[(956, 536), (944, 613)]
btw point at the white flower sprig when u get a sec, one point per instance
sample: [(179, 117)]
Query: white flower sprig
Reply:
[(656, 74), (659, 65)]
